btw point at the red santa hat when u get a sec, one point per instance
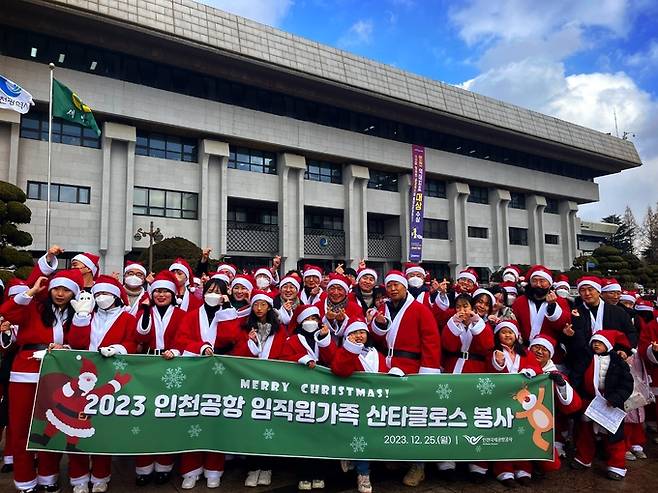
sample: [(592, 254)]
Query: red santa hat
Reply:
[(470, 274), (561, 282), (290, 280), (509, 287), (610, 285), (221, 276), (70, 279), (182, 265), (228, 268), (512, 270), (642, 305), (336, 279), (134, 266), (611, 338), (164, 280), (358, 324), (546, 341), (508, 324), (540, 271), (258, 295), (366, 272), (628, 296), (243, 280), (88, 370), (396, 276), (591, 281), (89, 260), (264, 271), (301, 313), (412, 268), (109, 284), (16, 286), (311, 270), (484, 292)]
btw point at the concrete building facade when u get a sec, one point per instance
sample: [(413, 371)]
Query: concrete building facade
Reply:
[(254, 142)]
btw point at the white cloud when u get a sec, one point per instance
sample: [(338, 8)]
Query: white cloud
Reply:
[(270, 12), (359, 33), (648, 57)]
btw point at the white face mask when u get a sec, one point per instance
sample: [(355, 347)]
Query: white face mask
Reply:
[(263, 282), (415, 282), (310, 325), (562, 293), (509, 278), (212, 299), (133, 281), (104, 301)]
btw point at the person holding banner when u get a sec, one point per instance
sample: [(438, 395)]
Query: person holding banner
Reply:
[(44, 325)]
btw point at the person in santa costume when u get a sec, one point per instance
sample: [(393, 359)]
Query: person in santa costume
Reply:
[(511, 291), (312, 276), (465, 344), (501, 309), (635, 436), (366, 284), (86, 263), (134, 283), (648, 350), (562, 288), (610, 291), (336, 307), (242, 286), (157, 327), (628, 299), (408, 332), (288, 298), (443, 309), (212, 328), (186, 300), (266, 280), (607, 375), (540, 310), (512, 274), (44, 324), (509, 356)]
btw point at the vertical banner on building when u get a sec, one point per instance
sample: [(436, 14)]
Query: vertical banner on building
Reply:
[(417, 201)]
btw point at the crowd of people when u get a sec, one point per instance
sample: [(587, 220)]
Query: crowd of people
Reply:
[(602, 342)]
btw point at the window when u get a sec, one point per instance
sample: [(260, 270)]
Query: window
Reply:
[(165, 203), (166, 146), (518, 200), (376, 226), (436, 229), (265, 214), (323, 171), (435, 188), (551, 239), (252, 160), (323, 220), (552, 206), (34, 125), (518, 236), (381, 180), (475, 232), (71, 194), (478, 195)]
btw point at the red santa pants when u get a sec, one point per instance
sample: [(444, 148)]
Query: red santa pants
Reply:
[(7, 454), (550, 466), (211, 464), (79, 470), (634, 435), (586, 449), (146, 464), (510, 470)]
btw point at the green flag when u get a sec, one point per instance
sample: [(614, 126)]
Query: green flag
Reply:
[(67, 105)]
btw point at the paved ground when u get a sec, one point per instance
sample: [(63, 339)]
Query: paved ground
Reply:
[(642, 477)]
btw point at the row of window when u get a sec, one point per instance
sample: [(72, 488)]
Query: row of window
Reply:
[(34, 125), (71, 194), (165, 203), (85, 58)]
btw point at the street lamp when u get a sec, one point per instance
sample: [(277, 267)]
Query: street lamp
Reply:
[(154, 235)]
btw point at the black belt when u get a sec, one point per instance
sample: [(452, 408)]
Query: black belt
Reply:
[(398, 353), (33, 347), (73, 414), (465, 355)]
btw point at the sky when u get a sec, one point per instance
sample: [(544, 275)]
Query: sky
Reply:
[(580, 61)]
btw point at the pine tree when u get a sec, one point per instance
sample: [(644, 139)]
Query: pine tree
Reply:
[(624, 238), (13, 211), (650, 233)]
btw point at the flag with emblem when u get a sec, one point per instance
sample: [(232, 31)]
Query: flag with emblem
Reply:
[(67, 105)]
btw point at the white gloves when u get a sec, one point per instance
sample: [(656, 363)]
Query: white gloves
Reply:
[(528, 373), (108, 351), (84, 305)]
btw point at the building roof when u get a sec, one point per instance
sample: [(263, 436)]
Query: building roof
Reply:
[(199, 23)]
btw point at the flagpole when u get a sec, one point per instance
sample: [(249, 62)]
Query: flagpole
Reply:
[(50, 145)]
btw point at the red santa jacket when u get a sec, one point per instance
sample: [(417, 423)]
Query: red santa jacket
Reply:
[(104, 328), (465, 348), (648, 333), (514, 364), (352, 311), (270, 349), (297, 349), (351, 357), (411, 338), (567, 399), (160, 333), (221, 334), (533, 321)]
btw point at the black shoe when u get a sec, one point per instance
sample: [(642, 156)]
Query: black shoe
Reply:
[(508, 483), (49, 488), (477, 477), (449, 475), (72, 448), (615, 476), (40, 439), (7, 468), (162, 477), (524, 481), (574, 464), (143, 479)]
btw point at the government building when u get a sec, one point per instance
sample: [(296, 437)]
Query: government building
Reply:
[(257, 142)]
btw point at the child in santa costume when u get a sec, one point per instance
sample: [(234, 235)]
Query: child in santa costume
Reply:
[(609, 376), (157, 326), (466, 282), (336, 307), (134, 283), (185, 299), (110, 330), (44, 324), (213, 328), (509, 356), (241, 287), (266, 280), (311, 276)]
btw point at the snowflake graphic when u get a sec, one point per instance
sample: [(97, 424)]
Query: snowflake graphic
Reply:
[(194, 431), (358, 444), (478, 449), (485, 386), (135, 430), (119, 365), (521, 430), (404, 379), (443, 391), (268, 434), (218, 368), (173, 378)]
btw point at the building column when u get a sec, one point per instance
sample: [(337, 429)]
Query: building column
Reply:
[(291, 209), (457, 226), (355, 213), (568, 231), (116, 221), (404, 187), (213, 197), (499, 200), (536, 205), (10, 123)]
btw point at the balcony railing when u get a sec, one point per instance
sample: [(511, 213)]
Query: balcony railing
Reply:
[(251, 237), (324, 242), (384, 246)]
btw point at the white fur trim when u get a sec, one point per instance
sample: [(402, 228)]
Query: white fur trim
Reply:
[(22, 299), (289, 280), (354, 326), (338, 282), (324, 341), (262, 297), (557, 313), (467, 275), (227, 267), (627, 297), (424, 370), (511, 289), (312, 272), (162, 284), (509, 325), (253, 347), (305, 359), (396, 371), (242, 282), (543, 275), (180, 267), (68, 430), (67, 390), (23, 377), (397, 278), (138, 267), (643, 308), (600, 338), (480, 291), (64, 282), (87, 262), (221, 277), (352, 347), (561, 284), (17, 289), (540, 341), (46, 268), (265, 272), (587, 282), (416, 269), (203, 348), (115, 384), (307, 312), (366, 272), (611, 287), (106, 287)]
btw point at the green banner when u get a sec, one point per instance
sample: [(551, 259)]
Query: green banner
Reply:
[(129, 405)]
